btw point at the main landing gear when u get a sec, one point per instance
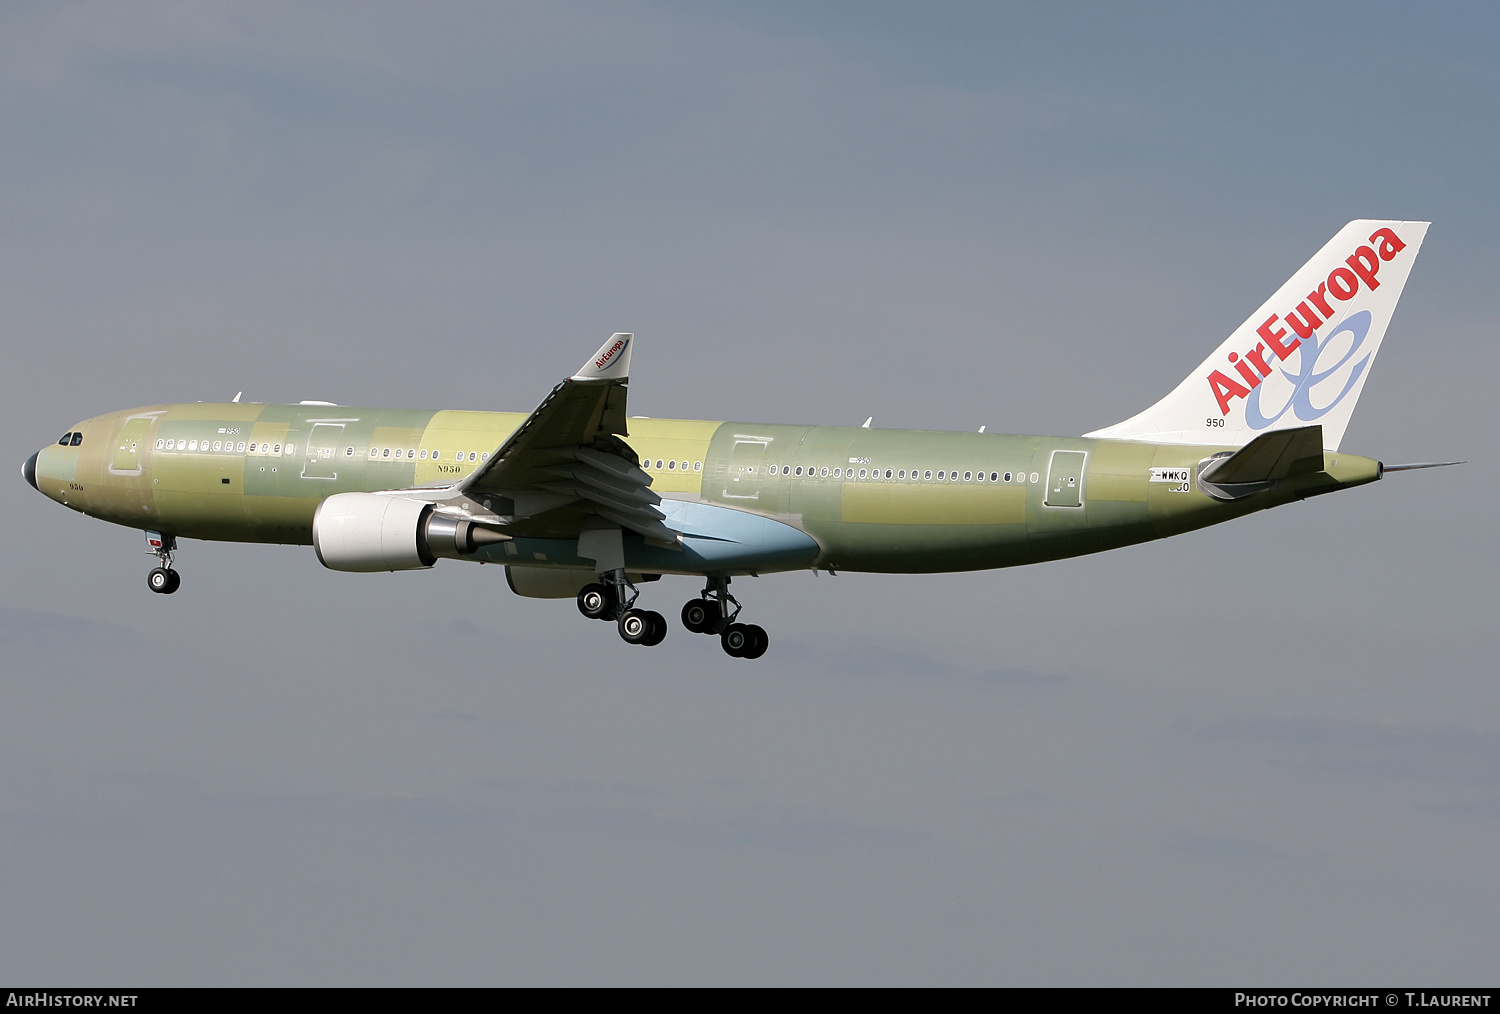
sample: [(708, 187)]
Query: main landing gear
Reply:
[(715, 611), (163, 579), (613, 598)]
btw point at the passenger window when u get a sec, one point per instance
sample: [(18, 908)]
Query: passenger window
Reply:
[(1007, 477), (824, 473), (994, 477), (697, 466), (77, 439), (160, 443), (968, 476), (927, 474), (471, 455), (887, 473), (799, 469)]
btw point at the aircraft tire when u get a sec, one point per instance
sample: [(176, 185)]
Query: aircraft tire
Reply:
[(659, 627), (159, 580), (635, 626), (759, 642), (174, 581), (701, 616), (735, 639), (597, 601)]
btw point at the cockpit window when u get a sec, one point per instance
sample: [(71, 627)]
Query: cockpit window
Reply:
[(62, 441), (77, 439)]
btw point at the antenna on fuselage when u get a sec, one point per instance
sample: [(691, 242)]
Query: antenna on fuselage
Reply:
[(981, 429), (236, 399), (866, 424)]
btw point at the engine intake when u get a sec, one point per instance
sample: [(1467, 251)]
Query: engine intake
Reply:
[(370, 532)]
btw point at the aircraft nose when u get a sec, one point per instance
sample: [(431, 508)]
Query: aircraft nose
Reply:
[(28, 470)]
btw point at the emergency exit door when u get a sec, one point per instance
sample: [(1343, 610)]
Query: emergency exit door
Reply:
[(322, 451), (127, 457), (1065, 479), (747, 466)]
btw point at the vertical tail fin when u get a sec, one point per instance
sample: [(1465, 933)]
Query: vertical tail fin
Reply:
[(1302, 358)]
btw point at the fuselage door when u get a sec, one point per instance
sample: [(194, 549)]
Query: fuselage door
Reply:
[(127, 456), (747, 464), (322, 451), (1065, 479)]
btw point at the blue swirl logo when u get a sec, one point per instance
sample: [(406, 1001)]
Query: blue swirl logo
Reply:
[(1301, 403)]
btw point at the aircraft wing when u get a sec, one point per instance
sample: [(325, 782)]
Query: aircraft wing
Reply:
[(567, 462)]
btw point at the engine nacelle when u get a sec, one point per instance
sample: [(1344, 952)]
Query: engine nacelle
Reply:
[(368, 532)]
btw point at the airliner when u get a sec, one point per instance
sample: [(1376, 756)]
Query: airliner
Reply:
[(581, 500)]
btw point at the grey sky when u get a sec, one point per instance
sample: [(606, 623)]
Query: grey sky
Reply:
[(1268, 752)]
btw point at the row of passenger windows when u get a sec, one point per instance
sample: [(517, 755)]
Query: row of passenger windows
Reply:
[(70, 439), (422, 455), (268, 447), (401, 453), (227, 446), (909, 475)]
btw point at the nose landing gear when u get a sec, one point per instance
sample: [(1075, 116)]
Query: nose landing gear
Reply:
[(715, 611), (163, 579)]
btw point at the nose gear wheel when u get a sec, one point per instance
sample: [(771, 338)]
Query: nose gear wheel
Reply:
[(163, 579)]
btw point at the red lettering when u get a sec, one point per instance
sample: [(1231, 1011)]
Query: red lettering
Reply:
[(1257, 356), (1343, 284), (1244, 370), (1273, 338), (1303, 320), (1365, 264), (1320, 300), (1390, 243), (1224, 389)]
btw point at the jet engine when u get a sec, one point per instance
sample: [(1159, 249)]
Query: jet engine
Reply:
[(368, 532)]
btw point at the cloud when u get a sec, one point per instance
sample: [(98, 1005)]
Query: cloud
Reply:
[(1382, 750), (1222, 847), (35, 629)]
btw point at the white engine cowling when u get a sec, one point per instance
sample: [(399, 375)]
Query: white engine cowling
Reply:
[(366, 532)]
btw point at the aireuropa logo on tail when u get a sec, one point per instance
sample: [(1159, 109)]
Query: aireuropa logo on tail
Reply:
[(614, 350), (1359, 270)]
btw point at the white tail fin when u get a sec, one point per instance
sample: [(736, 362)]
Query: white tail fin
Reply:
[(1302, 358)]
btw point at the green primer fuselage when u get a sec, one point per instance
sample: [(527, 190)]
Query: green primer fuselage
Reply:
[(871, 498)]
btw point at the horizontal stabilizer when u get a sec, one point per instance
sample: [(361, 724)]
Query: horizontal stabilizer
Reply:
[(1271, 457)]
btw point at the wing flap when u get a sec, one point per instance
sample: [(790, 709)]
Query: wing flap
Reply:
[(568, 459)]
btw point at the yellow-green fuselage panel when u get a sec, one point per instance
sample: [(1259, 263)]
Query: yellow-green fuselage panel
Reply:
[(875, 500)]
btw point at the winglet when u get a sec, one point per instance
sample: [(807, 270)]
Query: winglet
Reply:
[(611, 362)]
